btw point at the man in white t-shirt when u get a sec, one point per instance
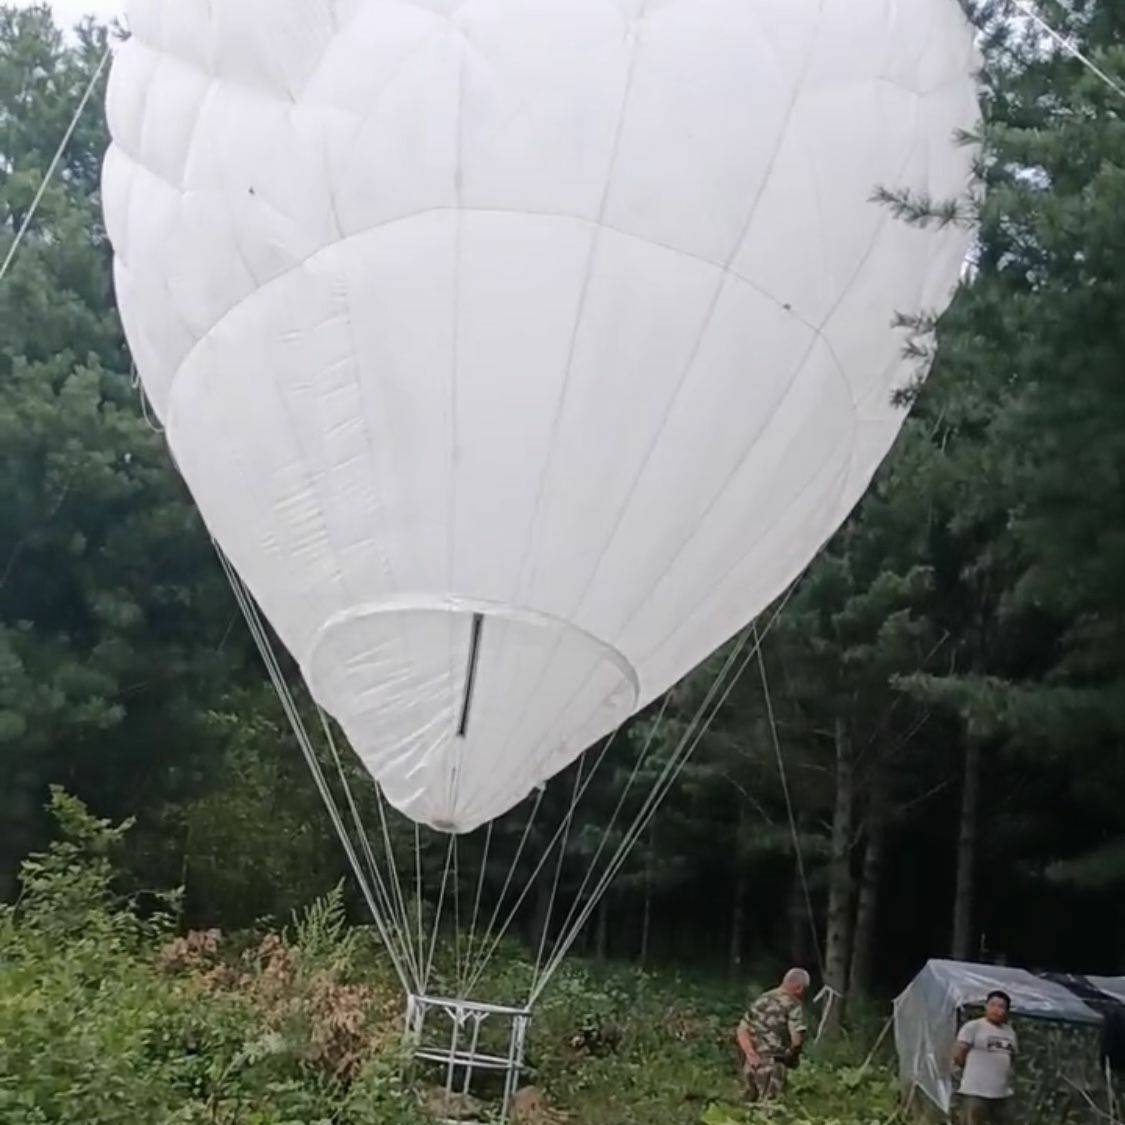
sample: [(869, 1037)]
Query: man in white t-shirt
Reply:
[(986, 1048)]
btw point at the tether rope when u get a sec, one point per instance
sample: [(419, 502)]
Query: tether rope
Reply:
[(783, 776), (1069, 47), (404, 931), (281, 688), (49, 175), (691, 738)]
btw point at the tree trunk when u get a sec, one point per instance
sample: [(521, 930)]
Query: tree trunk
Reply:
[(866, 915), (838, 940), (539, 920), (737, 924), (801, 925), (961, 949), (738, 902), (646, 913), (20, 812), (601, 942)]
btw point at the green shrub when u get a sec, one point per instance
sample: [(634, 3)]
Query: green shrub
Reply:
[(107, 1017)]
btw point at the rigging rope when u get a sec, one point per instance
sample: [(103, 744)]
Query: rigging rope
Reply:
[(663, 786), (437, 916), (379, 886), (281, 688), (392, 865), (491, 948), (418, 884), (49, 175), (676, 761), (386, 901), (482, 964), (1067, 45), (795, 835), (476, 906), (641, 758), (568, 820), (387, 904), (456, 905)]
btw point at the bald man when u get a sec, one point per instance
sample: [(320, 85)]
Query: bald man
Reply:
[(770, 1035)]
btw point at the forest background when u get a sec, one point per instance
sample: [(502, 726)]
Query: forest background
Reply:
[(947, 681)]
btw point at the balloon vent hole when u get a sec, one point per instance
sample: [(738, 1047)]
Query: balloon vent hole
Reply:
[(471, 673)]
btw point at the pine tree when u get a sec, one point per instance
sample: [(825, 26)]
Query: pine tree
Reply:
[(110, 609)]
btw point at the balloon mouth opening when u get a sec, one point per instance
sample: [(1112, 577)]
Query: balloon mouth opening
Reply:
[(421, 685)]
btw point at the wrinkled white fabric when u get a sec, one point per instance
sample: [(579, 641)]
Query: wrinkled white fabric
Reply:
[(572, 314)]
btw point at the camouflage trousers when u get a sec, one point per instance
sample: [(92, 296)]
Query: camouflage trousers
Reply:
[(765, 1082)]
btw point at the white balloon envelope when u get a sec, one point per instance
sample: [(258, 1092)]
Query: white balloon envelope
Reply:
[(519, 352)]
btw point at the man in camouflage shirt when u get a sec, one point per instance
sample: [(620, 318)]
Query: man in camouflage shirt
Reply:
[(770, 1035)]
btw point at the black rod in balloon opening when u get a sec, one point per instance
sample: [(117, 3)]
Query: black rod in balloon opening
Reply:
[(471, 674)]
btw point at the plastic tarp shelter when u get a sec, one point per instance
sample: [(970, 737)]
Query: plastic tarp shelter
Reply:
[(1111, 986), (926, 1013)]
